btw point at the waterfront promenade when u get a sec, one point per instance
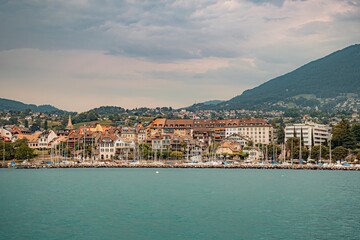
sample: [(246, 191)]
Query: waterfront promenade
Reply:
[(182, 164)]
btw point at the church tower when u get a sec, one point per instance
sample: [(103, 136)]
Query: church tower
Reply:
[(69, 125)]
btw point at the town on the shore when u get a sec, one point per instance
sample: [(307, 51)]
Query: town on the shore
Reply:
[(31, 141)]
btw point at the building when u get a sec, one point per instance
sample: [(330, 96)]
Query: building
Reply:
[(254, 154), (229, 147), (254, 129), (160, 143), (5, 134), (41, 140), (140, 133), (243, 141), (128, 133), (176, 127), (124, 148), (311, 134), (155, 127), (107, 147), (20, 130), (69, 125)]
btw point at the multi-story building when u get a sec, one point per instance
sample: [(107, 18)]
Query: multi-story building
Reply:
[(254, 129), (140, 133), (128, 133), (107, 147), (45, 139), (176, 127), (155, 127), (160, 143), (311, 134), (257, 130), (124, 148)]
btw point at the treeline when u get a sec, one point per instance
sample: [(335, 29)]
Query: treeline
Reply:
[(346, 135), (18, 150)]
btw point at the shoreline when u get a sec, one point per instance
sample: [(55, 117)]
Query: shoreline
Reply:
[(185, 165)]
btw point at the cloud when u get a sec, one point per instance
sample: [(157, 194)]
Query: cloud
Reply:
[(163, 30), (163, 52)]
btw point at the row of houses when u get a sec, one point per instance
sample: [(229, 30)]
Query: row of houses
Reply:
[(189, 136), (254, 129)]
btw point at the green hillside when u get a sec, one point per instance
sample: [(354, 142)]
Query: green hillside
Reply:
[(334, 75), (324, 83), (11, 105)]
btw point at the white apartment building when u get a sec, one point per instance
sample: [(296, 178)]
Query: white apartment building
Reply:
[(107, 147), (312, 133), (256, 130)]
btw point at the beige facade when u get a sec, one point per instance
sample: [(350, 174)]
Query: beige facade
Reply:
[(256, 130)]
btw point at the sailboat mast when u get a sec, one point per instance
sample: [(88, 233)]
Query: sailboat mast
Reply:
[(300, 154)]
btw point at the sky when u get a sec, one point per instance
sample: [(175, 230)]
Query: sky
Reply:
[(81, 54)]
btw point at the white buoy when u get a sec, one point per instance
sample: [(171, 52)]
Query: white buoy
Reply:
[(157, 172)]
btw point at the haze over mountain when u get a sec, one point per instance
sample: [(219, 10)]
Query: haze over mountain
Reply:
[(332, 82), (335, 78)]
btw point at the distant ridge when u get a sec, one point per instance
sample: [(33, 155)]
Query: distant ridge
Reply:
[(213, 102), (12, 105), (335, 75)]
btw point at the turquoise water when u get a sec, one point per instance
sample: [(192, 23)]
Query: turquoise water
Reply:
[(179, 204)]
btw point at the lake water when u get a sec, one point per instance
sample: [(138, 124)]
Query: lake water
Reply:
[(179, 204)]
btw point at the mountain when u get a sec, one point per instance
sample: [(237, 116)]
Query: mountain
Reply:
[(11, 105), (326, 83), (213, 102)]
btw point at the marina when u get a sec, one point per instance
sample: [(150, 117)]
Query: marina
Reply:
[(183, 164)]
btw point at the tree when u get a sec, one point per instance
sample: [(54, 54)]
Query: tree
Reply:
[(355, 129), (176, 155), (27, 111), (315, 152), (280, 135), (35, 127), (26, 123), (304, 152), (9, 150), (339, 153), (145, 150), (13, 121), (343, 136), (165, 154), (291, 145), (273, 151), (46, 125), (22, 150)]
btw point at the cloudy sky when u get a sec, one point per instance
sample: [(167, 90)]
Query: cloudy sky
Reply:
[(80, 54)]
